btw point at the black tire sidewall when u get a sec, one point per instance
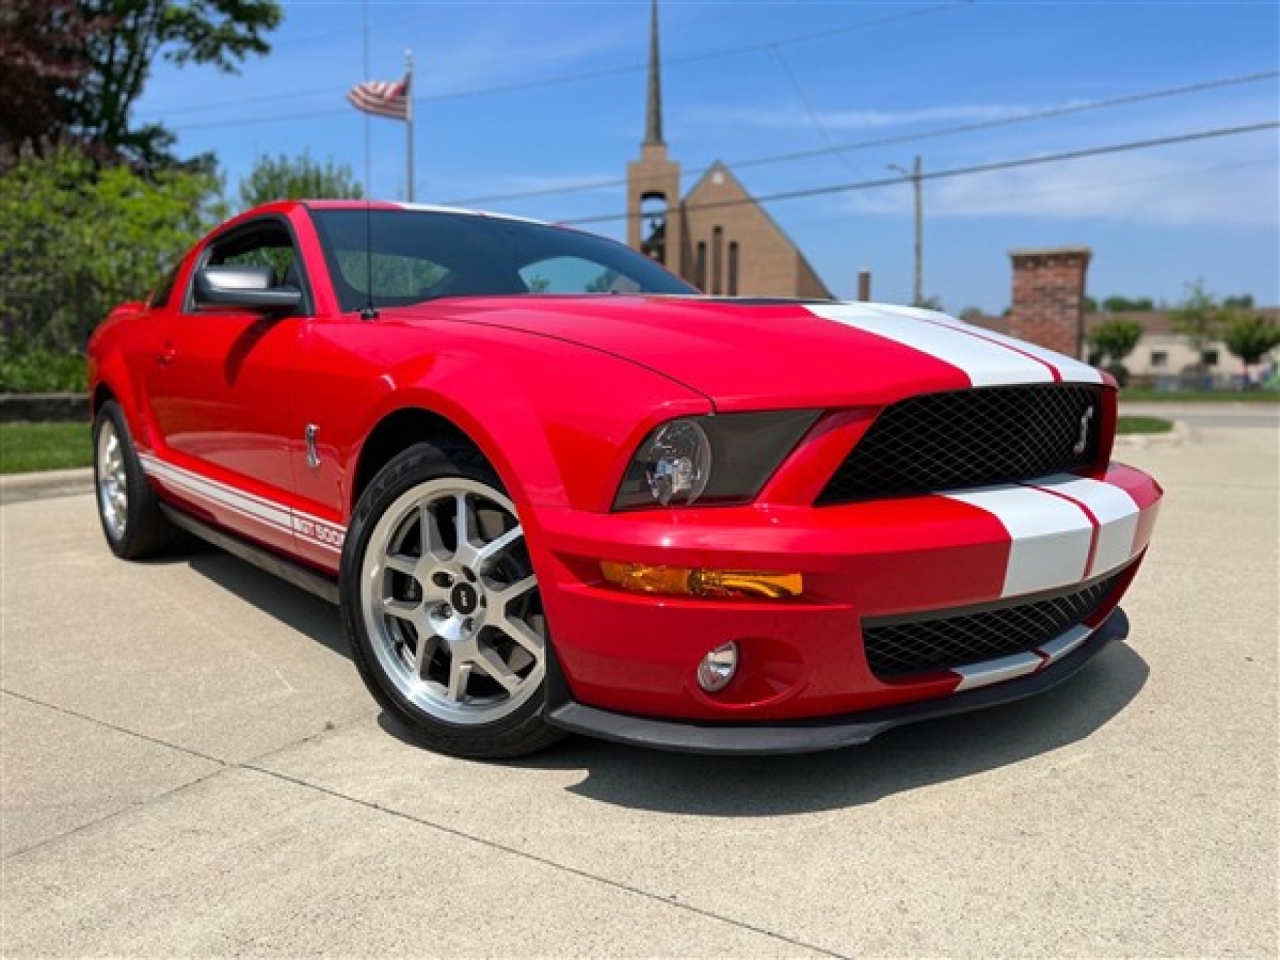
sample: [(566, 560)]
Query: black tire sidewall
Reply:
[(523, 730), (141, 515)]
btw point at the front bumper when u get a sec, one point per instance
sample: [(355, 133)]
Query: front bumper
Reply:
[(804, 658), (826, 733)]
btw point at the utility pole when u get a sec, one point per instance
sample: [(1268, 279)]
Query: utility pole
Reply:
[(408, 116), (914, 175)]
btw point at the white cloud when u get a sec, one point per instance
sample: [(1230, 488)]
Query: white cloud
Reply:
[(1158, 190)]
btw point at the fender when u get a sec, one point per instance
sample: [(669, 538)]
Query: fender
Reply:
[(551, 439)]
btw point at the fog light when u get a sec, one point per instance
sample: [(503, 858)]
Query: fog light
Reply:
[(718, 667)]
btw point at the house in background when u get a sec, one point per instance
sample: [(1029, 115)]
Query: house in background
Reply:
[(1048, 309)]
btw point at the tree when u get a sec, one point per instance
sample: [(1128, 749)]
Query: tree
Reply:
[(221, 33), (1127, 304), (76, 240), (1242, 301), (1250, 337), (42, 58), (1115, 339), (80, 65), (1199, 319), (297, 178)]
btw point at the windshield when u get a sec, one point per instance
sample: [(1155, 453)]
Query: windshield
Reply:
[(413, 255)]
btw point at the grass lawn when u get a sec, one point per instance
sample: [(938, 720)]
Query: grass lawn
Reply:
[(1132, 394), (1144, 425), (25, 447)]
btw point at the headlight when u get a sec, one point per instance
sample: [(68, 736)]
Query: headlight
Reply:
[(712, 460)]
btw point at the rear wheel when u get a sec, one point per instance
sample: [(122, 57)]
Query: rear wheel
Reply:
[(442, 607), (127, 506)]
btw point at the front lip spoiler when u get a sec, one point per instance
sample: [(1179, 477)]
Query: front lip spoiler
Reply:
[(823, 733)]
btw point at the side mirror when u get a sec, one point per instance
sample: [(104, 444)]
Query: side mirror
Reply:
[(244, 288)]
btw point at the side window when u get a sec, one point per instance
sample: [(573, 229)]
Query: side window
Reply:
[(265, 244), (574, 275)]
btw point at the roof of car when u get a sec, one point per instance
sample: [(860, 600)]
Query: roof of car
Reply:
[(415, 207)]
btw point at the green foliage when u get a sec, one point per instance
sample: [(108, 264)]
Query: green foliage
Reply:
[(26, 368), (76, 240), (25, 447), (1115, 339), (1132, 425), (1241, 301), (74, 69), (392, 275), (135, 34), (297, 178), (1250, 337), (1128, 304), (1198, 317)]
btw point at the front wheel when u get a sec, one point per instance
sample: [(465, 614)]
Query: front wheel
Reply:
[(442, 607)]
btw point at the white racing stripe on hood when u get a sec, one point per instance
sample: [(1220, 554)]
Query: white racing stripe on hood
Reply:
[(1070, 370), (984, 362)]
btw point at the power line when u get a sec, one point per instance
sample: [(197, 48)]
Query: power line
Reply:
[(1047, 114), (963, 171), (561, 80)]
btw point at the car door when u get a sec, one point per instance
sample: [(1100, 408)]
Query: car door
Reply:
[(219, 396)]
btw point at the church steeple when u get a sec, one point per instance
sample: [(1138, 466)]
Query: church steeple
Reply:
[(653, 115), (654, 215)]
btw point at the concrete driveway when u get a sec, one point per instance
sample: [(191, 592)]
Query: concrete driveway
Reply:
[(192, 767)]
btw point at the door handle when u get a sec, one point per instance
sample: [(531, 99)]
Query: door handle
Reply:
[(166, 355)]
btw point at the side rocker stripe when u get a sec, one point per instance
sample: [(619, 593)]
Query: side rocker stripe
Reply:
[(250, 506), (985, 363)]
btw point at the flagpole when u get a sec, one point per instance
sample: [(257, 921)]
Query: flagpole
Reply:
[(408, 115)]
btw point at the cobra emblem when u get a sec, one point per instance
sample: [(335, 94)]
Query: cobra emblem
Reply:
[(1084, 431)]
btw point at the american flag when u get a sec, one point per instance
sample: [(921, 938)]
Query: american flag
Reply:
[(382, 98)]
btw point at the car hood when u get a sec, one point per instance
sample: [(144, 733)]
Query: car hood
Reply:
[(745, 354)]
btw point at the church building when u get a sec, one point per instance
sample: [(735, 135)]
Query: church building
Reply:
[(716, 236)]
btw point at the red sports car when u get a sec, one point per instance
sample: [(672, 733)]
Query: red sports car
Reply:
[(553, 488)]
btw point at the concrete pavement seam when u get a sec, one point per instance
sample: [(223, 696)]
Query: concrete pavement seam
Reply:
[(129, 808), (224, 767), (544, 861)]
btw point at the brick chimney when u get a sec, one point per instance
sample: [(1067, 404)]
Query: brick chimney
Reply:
[(1048, 297)]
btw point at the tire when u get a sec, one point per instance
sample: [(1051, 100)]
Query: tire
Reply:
[(127, 506), (447, 631)]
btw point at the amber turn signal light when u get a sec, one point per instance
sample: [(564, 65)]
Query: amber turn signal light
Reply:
[(683, 581)]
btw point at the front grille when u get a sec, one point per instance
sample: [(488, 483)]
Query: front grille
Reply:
[(971, 438), (942, 641)]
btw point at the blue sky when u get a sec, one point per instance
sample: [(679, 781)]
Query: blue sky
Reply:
[(745, 81)]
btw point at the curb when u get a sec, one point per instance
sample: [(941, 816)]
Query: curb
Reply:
[(17, 487), (1181, 433), (60, 407)]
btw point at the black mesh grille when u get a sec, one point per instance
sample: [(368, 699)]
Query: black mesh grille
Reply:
[(955, 639), (971, 438)]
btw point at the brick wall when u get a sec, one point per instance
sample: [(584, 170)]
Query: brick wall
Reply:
[(1048, 297)]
